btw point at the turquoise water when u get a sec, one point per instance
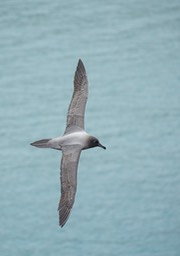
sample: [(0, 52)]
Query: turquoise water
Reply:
[(128, 198)]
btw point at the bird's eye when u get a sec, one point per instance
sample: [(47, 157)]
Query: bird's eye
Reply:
[(95, 141)]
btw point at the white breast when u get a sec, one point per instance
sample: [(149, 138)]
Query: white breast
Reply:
[(79, 138)]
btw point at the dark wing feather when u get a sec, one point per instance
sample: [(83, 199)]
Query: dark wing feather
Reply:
[(75, 116), (69, 165)]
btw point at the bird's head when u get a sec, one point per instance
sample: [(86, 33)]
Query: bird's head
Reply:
[(94, 142)]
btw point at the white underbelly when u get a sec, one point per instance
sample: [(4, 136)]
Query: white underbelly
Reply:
[(77, 138)]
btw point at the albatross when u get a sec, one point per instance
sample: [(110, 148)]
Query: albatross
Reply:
[(74, 140)]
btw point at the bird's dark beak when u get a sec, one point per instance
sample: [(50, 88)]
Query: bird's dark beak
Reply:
[(101, 146)]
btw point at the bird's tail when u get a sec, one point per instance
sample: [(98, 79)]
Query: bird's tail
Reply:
[(41, 143)]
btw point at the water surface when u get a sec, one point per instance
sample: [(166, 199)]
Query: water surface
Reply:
[(128, 198)]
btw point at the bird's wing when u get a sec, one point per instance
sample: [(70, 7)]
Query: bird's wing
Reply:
[(69, 165), (75, 116)]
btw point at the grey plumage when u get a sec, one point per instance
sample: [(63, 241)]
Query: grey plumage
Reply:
[(75, 116), (71, 143), (69, 164)]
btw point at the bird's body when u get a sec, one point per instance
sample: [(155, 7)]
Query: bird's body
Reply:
[(74, 140), (80, 138)]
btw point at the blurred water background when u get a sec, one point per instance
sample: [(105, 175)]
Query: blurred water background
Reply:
[(128, 198)]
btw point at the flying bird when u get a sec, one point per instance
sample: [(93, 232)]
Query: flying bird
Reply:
[(74, 140)]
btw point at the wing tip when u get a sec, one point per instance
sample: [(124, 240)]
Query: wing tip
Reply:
[(81, 66), (64, 212), (80, 61), (63, 216)]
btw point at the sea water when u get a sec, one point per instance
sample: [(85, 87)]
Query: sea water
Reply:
[(128, 197)]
